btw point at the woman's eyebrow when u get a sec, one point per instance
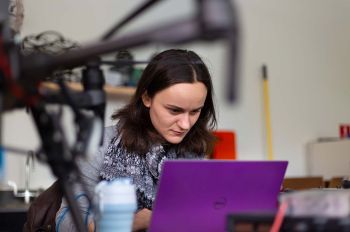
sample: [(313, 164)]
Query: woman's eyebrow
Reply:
[(179, 108), (174, 107)]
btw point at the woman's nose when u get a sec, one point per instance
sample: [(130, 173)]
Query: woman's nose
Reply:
[(184, 122)]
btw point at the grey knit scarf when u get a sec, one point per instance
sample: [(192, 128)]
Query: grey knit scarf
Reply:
[(143, 170)]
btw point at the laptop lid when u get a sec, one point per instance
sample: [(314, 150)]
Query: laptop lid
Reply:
[(197, 195)]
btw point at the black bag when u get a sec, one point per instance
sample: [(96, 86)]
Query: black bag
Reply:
[(41, 215)]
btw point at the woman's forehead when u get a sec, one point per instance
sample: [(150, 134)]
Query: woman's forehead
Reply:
[(183, 94)]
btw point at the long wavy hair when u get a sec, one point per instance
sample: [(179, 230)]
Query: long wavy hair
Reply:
[(168, 68)]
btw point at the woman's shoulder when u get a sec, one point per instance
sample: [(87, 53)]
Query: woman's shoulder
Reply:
[(110, 132)]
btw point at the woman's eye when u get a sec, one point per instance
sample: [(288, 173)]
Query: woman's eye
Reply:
[(174, 111), (195, 112)]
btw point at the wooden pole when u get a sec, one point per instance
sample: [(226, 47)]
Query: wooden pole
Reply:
[(267, 113)]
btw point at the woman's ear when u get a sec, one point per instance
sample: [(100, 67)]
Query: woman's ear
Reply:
[(146, 100)]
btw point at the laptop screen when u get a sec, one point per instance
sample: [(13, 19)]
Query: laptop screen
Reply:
[(197, 195)]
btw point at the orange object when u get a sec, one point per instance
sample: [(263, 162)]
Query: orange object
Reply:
[(225, 147)]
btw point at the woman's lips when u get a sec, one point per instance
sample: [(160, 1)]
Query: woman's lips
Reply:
[(178, 133)]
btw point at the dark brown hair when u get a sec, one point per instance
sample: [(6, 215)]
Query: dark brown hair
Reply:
[(164, 70)]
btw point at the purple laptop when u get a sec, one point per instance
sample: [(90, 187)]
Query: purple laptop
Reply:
[(197, 195)]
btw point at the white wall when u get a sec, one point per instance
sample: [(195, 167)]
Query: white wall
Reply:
[(303, 43)]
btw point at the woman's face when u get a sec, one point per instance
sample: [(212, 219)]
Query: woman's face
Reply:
[(174, 110)]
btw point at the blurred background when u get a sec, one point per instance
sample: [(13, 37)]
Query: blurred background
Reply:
[(304, 45)]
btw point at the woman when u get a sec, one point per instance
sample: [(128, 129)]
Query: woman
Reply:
[(170, 116)]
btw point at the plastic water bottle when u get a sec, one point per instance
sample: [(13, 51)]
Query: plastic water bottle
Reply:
[(116, 205)]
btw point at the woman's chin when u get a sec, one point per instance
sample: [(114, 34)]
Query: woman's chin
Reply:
[(174, 139)]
